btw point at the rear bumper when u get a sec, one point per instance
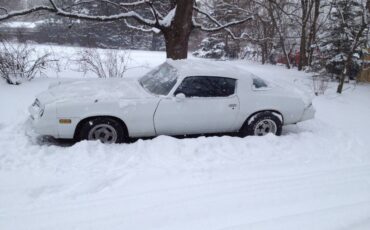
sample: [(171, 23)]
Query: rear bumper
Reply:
[(308, 113)]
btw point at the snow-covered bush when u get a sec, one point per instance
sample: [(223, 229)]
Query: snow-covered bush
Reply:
[(105, 64), (20, 62), (337, 64), (211, 48)]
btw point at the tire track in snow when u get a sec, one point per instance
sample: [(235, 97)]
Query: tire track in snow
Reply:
[(175, 197)]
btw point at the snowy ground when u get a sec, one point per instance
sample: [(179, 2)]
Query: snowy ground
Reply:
[(315, 176)]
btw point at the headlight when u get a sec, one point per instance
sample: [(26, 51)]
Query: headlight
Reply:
[(38, 108)]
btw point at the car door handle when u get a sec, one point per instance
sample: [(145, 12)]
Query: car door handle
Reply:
[(233, 106)]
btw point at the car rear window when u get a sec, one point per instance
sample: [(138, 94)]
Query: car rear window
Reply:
[(258, 83)]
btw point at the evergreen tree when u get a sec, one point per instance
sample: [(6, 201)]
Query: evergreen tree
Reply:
[(341, 44)]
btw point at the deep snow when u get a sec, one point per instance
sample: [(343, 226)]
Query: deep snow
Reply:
[(315, 176)]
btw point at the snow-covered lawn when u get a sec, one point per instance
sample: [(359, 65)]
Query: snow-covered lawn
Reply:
[(315, 176)]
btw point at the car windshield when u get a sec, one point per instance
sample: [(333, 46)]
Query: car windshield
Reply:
[(161, 80)]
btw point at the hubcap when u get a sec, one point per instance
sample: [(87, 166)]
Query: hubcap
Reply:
[(265, 127), (105, 133)]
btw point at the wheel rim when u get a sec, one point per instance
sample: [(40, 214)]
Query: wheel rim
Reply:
[(105, 133), (265, 127)]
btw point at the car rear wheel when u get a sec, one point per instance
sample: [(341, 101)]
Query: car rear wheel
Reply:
[(262, 124), (105, 130)]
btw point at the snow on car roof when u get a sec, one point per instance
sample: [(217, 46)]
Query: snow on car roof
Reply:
[(196, 67)]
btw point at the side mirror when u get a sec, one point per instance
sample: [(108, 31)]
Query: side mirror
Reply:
[(180, 96)]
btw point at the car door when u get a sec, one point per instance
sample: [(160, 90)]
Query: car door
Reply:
[(200, 104)]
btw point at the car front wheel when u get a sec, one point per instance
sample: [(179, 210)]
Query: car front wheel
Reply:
[(105, 130)]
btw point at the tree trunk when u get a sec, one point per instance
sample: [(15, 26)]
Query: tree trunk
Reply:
[(344, 73), (287, 64), (306, 6), (263, 53), (313, 32), (302, 49), (176, 45), (178, 33), (341, 81)]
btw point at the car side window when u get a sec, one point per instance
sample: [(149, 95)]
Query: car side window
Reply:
[(204, 86)]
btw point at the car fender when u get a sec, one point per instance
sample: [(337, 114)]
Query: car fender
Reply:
[(136, 114)]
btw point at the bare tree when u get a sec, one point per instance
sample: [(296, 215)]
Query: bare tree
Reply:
[(173, 18)]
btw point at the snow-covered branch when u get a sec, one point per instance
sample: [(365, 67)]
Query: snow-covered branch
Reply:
[(137, 3), (219, 25), (12, 14), (166, 21), (141, 28), (3, 9), (54, 8), (124, 15)]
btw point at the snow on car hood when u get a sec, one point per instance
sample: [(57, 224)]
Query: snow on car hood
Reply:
[(97, 89)]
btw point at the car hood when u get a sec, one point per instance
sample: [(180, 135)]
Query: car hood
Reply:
[(97, 89)]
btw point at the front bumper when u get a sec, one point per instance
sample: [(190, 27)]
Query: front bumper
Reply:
[(42, 125), (308, 113)]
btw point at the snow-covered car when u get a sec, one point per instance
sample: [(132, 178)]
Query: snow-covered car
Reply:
[(177, 98)]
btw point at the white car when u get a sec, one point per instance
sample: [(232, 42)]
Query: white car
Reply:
[(177, 98)]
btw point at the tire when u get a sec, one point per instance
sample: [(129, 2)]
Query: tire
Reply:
[(104, 129), (261, 124)]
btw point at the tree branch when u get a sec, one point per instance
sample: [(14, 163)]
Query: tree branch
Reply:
[(61, 12), (25, 12), (220, 26), (137, 3)]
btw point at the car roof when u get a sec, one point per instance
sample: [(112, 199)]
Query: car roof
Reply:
[(196, 67)]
